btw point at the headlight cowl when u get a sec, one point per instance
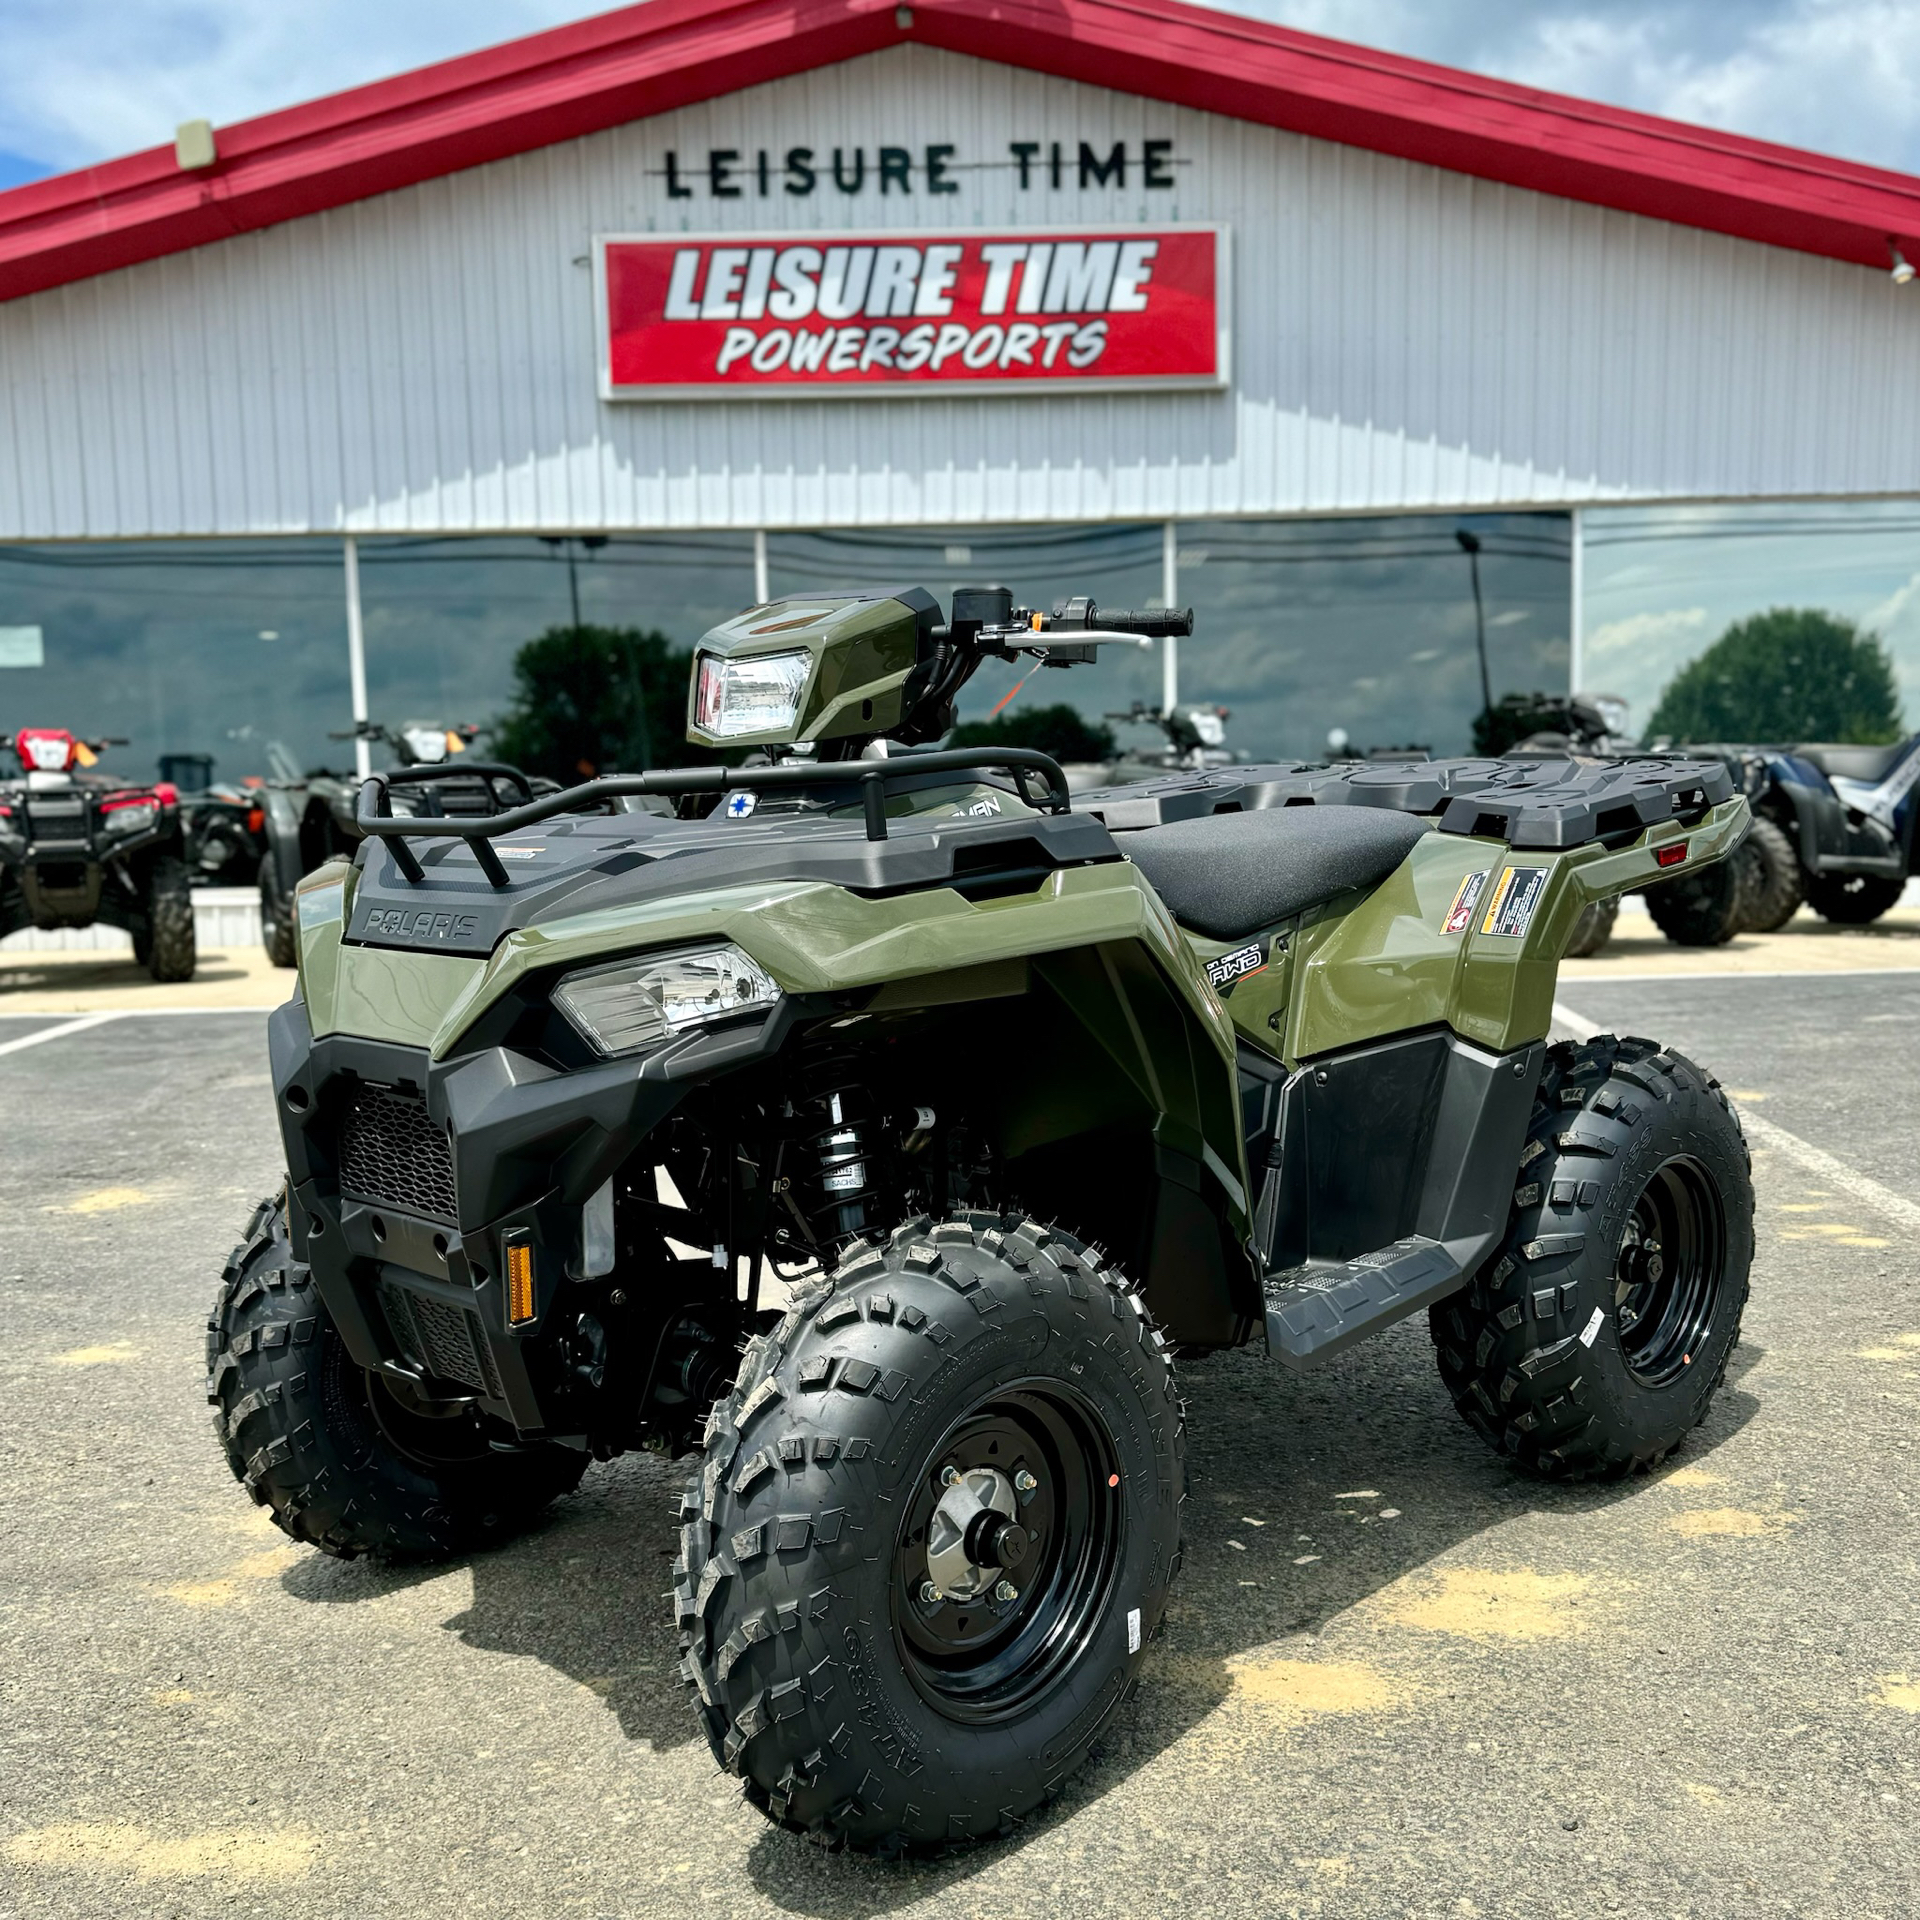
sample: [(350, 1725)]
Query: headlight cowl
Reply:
[(646, 1000)]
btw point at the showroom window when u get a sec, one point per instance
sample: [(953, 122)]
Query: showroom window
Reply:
[(216, 647), (1369, 626), (1662, 584), (445, 618)]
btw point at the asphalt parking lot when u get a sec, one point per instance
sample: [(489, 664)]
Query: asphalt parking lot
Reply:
[(1397, 1680)]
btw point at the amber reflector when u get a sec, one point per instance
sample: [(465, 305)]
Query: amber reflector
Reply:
[(519, 1283)]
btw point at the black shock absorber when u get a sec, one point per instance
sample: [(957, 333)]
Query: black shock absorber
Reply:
[(833, 1161)]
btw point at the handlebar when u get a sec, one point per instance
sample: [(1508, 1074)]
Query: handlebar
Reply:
[(1155, 624)]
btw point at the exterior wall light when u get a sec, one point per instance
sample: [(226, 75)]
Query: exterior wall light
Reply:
[(1903, 268)]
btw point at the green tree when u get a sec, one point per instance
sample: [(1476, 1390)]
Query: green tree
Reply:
[(1059, 731), (1792, 673), (590, 700)]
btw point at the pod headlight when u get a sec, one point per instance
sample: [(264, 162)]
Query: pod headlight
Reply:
[(757, 694), (639, 1003)]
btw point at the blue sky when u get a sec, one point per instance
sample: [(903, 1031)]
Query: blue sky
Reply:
[(84, 80)]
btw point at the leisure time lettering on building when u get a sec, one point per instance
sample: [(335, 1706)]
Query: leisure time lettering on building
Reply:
[(729, 173), (895, 313)]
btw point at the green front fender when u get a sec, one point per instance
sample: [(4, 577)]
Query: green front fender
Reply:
[(1096, 937)]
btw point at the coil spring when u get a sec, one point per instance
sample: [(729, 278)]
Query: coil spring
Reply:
[(835, 1171)]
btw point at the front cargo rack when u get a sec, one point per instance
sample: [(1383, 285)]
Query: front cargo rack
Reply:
[(375, 817)]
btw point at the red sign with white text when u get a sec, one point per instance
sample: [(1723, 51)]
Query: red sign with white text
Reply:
[(766, 316)]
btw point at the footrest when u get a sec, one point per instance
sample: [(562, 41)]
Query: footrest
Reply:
[(1315, 1312)]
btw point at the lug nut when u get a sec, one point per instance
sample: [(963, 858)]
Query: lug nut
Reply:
[(948, 1475), (1024, 1482), (1006, 1590), (929, 1593)]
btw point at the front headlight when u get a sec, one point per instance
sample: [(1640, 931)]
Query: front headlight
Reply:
[(639, 1003), (759, 694), (133, 816)]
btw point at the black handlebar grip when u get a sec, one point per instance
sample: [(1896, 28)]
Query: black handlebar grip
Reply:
[(1158, 625)]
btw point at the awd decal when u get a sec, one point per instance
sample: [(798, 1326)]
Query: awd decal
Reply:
[(1510, 911), (1460, 914), (1227, 968)]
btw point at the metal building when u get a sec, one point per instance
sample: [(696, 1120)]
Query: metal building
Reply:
[(398, 312)]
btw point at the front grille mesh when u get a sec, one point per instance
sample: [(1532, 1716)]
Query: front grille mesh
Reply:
[(445, 1341), (391, 1152)]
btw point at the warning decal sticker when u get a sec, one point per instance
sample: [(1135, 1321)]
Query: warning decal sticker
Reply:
[(1460, 914), (1510, 911)]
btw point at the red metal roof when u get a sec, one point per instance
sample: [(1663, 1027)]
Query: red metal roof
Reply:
[(649, 59)]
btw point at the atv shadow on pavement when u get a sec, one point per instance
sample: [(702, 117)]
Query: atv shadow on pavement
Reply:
[(1271, 1454)]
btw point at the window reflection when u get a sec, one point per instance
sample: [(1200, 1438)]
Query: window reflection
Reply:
[(1369, 626), (445, 617), (186, 647)]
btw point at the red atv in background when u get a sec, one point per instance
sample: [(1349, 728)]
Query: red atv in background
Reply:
[(78, 848)]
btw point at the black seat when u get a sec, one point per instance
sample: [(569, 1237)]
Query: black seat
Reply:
[(1230, 874), (1870, 764)]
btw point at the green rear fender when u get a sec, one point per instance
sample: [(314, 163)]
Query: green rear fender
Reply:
[(1466, 933)]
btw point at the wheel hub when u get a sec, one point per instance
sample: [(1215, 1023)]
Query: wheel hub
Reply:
[(973, 1536)]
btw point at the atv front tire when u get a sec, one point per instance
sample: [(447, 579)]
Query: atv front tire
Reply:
[(350, 1461), (276, 917), (1773, 880), (1852, 899), (873, 1651), (168, 949), (1593, 929), (1593, 1342), (1704, 908)]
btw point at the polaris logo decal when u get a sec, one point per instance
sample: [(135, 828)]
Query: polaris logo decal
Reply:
[(421, 925), (1228, 968), (739, 805), (1460, 914)]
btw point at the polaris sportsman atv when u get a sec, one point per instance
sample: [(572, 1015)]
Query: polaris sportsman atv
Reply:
[(311, 820), (888, 1122), (78, 848)]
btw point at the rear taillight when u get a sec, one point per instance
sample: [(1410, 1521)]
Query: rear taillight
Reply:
[(1670, 856)]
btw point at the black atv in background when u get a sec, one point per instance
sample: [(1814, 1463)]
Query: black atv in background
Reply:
[(225, 825), (310, 817), (79, 849)]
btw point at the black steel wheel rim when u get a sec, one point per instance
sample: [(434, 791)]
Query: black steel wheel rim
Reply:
[(987, 1659), (1668, 1272)]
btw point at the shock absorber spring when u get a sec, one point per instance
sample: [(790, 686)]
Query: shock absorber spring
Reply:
[(835, 1165)]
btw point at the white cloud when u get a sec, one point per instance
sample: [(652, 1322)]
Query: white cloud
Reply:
[(1640, 632)]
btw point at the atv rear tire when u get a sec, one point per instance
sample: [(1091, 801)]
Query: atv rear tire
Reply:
[(169, 951), (1704, 908), (863, 1704), (1593, 929), (1593, 1342), (1852, 899), (1772, 878), (345, 1460), (276, 917)]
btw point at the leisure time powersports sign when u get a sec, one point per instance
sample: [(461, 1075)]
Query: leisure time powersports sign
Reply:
[(763, 316)]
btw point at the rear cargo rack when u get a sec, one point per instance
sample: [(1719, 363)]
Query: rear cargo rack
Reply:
[(375, 817)]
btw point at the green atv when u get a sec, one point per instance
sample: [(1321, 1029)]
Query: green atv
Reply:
[(889, 1124)]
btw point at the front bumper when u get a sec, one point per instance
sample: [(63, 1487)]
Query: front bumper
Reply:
[(403, 1227)]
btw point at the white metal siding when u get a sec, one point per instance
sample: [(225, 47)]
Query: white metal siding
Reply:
[(1404, 338)]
